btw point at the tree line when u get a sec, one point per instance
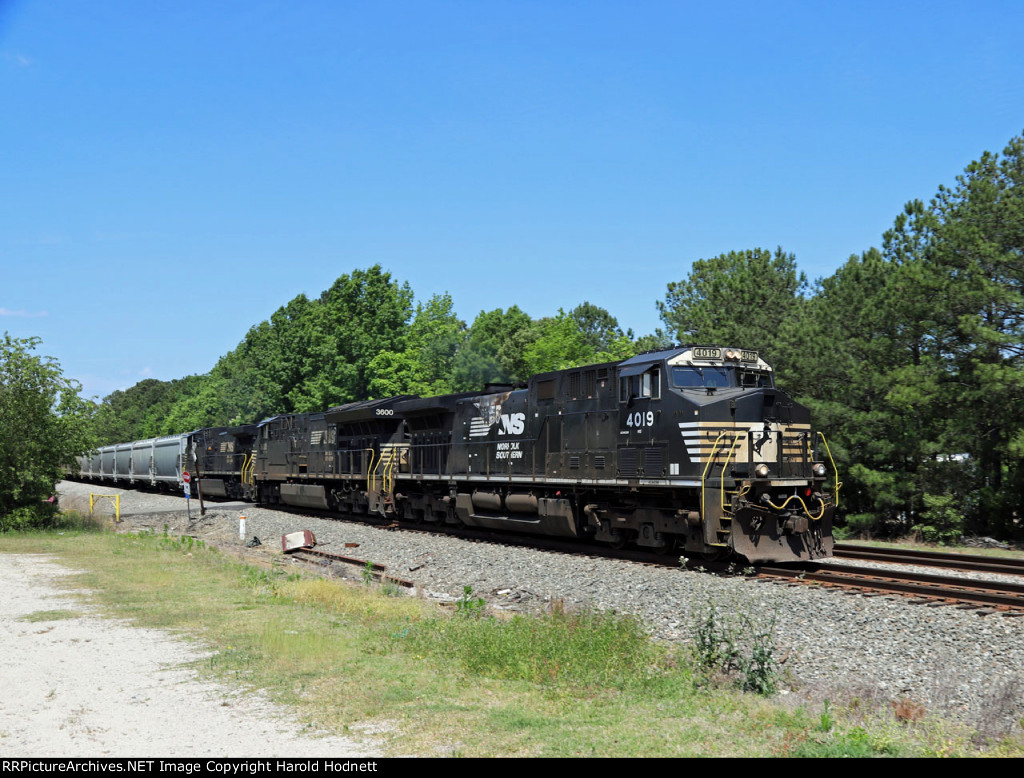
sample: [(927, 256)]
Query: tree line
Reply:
[(363, 338), (909, 355)]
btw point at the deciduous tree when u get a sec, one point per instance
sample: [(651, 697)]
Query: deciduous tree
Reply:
[(44, 425)]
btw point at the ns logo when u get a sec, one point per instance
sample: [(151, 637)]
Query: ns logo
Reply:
[(511, 423)]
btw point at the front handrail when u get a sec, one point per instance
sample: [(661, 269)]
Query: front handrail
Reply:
[(725, 464), (835, 470), (704, 475)]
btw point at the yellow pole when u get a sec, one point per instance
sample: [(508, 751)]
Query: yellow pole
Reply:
[(116, 498)]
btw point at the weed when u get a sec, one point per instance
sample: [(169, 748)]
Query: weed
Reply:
[(738, 645), (825, 721), (263, 582), (855, 743), (759, 668), (905, 709), (468, 606), (712, 644), (367, 574)]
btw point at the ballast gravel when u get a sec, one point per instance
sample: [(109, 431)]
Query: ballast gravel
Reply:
[(884, 651)]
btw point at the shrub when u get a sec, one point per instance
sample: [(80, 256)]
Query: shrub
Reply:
[(943, 522), (738, 645)]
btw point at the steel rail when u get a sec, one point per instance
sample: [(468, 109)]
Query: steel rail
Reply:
[(974, 562), (378, 571), (1000, 595)]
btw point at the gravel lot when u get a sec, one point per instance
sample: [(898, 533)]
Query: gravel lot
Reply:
[(833, 645), (76, 685)]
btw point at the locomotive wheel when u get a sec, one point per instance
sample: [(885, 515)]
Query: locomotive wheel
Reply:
[(621, 541), (711, 554), (668, 548)]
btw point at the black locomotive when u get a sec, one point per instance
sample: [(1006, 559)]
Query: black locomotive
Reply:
[(691, 448)]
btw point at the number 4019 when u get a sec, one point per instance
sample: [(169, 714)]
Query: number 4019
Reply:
[(640, 419)]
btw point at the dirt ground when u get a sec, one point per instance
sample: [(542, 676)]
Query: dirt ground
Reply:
[(73, 684)]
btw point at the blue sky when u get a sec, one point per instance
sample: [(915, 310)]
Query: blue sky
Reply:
[(172, 173)]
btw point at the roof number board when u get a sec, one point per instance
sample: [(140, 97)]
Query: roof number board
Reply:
[(707, 353)]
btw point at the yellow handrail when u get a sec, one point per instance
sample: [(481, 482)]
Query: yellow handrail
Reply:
[(369, 470), (704, 475), (249, 470), (721, 486), (388, 471), (834, 468)]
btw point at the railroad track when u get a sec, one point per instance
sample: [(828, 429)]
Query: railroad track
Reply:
[(327, 560), (926, 588), (988, 596), (968, 562), (1003, 597)]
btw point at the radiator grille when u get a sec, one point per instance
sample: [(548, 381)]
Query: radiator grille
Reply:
[(654, 461), (628, 461)]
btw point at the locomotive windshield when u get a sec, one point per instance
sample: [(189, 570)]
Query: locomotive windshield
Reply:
[(715, 377)]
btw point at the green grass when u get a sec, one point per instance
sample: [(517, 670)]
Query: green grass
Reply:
[(922, 546), (55, 615), (457, 682)]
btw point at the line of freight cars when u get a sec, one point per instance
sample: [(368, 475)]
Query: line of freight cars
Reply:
[(691, 448)]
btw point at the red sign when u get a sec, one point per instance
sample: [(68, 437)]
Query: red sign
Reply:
[(186, 477)]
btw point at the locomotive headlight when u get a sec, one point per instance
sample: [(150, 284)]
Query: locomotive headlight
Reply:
[(761, 471), (819, 470)]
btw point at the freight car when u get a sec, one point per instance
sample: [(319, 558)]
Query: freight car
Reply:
[(155, 462), (219, 458), (690, 448)]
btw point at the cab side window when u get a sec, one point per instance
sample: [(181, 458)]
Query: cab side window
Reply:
[(759, 380), (650, 384), (646, 385)]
